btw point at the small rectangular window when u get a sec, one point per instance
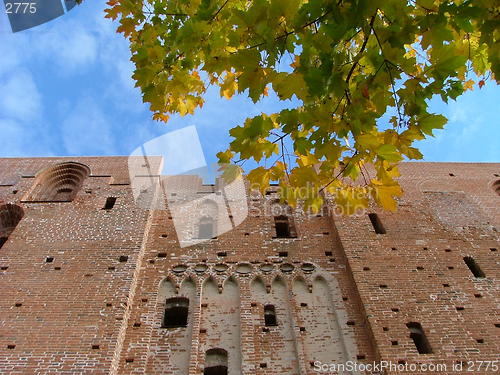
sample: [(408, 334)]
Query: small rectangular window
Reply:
[(270, 316), (176, 312), (377, 224), (284, 227), (110, 203)]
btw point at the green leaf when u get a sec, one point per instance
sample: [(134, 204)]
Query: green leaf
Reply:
[(362, 71), (430, 122), (389, 153)]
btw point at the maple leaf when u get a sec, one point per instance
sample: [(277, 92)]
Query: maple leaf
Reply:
[(356, 79)]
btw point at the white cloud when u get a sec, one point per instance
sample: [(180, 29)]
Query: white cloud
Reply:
[(20, 98), (13, 138), (87, 131), (68, 45)]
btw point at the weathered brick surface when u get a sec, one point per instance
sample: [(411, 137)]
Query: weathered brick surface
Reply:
[(87, 312)]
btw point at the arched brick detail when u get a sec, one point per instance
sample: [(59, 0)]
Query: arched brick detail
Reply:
[(10, 216), (59, 183)]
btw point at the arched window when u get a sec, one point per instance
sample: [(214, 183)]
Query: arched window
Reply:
[(270, 316), (59, 183), (215, 362), (206, 228), (10, 216), (176, 312), (418, 336)]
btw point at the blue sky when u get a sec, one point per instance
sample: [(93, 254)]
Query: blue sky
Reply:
[(65, 90)]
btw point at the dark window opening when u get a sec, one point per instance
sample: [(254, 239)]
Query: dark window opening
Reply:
[(63, 194), (418, 336), (110, 203), (377, 224), (176, 312), (474, 267), (284, 227), (206, 228), (49, 259), (215, 362), (283, 254), (496, 187), (270, 316)]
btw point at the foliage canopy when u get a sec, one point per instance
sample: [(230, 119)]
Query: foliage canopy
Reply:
[(361, 71)]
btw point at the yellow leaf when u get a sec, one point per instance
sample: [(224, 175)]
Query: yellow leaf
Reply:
[(469, 85), (314, 203), (384, 194), (259, 179), (350, 200), (225, 157), (127, 27), (160, 117), (229, 86), (309, 159)]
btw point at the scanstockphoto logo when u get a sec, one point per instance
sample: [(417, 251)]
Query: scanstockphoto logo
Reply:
[(170, 173), (22, 15)]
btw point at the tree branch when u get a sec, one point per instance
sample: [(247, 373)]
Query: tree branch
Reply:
[(285, 35), (391, 78), (363, 46), (338, 174), (219, 10)]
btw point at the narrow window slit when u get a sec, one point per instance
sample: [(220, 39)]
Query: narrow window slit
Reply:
[(270, 316), (377, 224), (474, 267), (419, 339), (110, 203)]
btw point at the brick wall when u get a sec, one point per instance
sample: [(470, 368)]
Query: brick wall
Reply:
[(84, 289)]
